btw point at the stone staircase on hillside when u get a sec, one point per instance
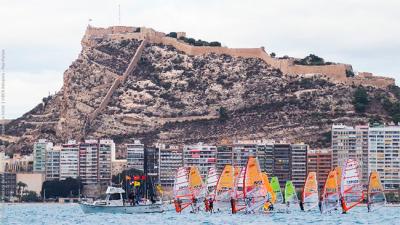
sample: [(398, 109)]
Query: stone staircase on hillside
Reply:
[(119, 80)]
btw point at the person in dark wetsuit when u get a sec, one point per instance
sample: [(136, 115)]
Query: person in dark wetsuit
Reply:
[(206, 204), (233, 205), (320, 203), (211, 205), (132, 198), (271, 207)]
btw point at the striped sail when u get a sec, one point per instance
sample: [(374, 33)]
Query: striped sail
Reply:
[(181, 188), (310, 196), (212, 179), (351, 187)]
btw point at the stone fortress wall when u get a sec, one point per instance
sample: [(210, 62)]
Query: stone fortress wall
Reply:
[(335, 72)]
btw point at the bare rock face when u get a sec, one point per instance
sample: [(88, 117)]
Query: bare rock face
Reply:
[(173, 97)]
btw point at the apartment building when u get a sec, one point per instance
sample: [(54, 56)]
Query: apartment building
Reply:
[(39, 154), (282, 163), (88, 161), (106, 153), (69, 160), (298, 164), (384, 154), (135, 155), (201, 155), (350, 143), (319, 161), (170, 159), (53, 163)]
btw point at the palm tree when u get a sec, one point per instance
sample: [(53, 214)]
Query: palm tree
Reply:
[(21, 187)]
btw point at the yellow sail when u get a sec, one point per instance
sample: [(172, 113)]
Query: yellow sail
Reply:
[(374, 184), (226, 180), (376, 194), (195, 180)]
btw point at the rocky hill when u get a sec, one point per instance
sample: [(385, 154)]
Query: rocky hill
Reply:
[(136, 85)]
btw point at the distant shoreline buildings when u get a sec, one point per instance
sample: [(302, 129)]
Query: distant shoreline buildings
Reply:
[(94, 161)]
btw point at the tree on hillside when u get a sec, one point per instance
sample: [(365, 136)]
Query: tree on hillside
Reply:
[(360, 100), (223, 114)]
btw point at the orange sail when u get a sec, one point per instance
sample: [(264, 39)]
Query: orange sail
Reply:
[(271, 193), (330, 193), (339, 176), (310, 196), (376, 194), (224, 189), (253, 189)]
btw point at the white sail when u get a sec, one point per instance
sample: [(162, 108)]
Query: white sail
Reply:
[(212, 179)]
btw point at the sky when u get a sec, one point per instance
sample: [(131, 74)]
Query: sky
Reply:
[(42, 38)]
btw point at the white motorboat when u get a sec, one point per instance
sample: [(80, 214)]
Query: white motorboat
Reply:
[(114, 203)]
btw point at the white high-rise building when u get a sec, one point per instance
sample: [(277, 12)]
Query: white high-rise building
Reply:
[(200, 155), (135, 155), (384, 155), (53, 163), (69, 160), (39, 154), (350, 143)]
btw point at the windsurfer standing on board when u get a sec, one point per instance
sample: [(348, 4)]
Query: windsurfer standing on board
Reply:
[(343, 205), (211, 205)]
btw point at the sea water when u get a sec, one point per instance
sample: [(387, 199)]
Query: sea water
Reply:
[(71, 214)]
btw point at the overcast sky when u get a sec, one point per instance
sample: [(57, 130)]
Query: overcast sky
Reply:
[(42, 38)]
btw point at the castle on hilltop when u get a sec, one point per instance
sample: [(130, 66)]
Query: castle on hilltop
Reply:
[(337, 73)]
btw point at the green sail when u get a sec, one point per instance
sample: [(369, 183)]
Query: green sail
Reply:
[(277, 189), (290, 192)]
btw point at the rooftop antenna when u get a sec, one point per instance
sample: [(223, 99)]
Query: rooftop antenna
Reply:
[(119, 14)]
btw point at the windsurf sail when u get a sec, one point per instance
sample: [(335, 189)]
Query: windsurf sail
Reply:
[(196, 184), (339, 176), (182, 193), (351, 187), (310, 197), (212, 179), (330, 193), (290, 193), (253, 192), (277, 189), (376, 194), (271, 197), (225, 184)]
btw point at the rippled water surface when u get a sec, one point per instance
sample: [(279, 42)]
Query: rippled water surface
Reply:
[(57, 214)]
